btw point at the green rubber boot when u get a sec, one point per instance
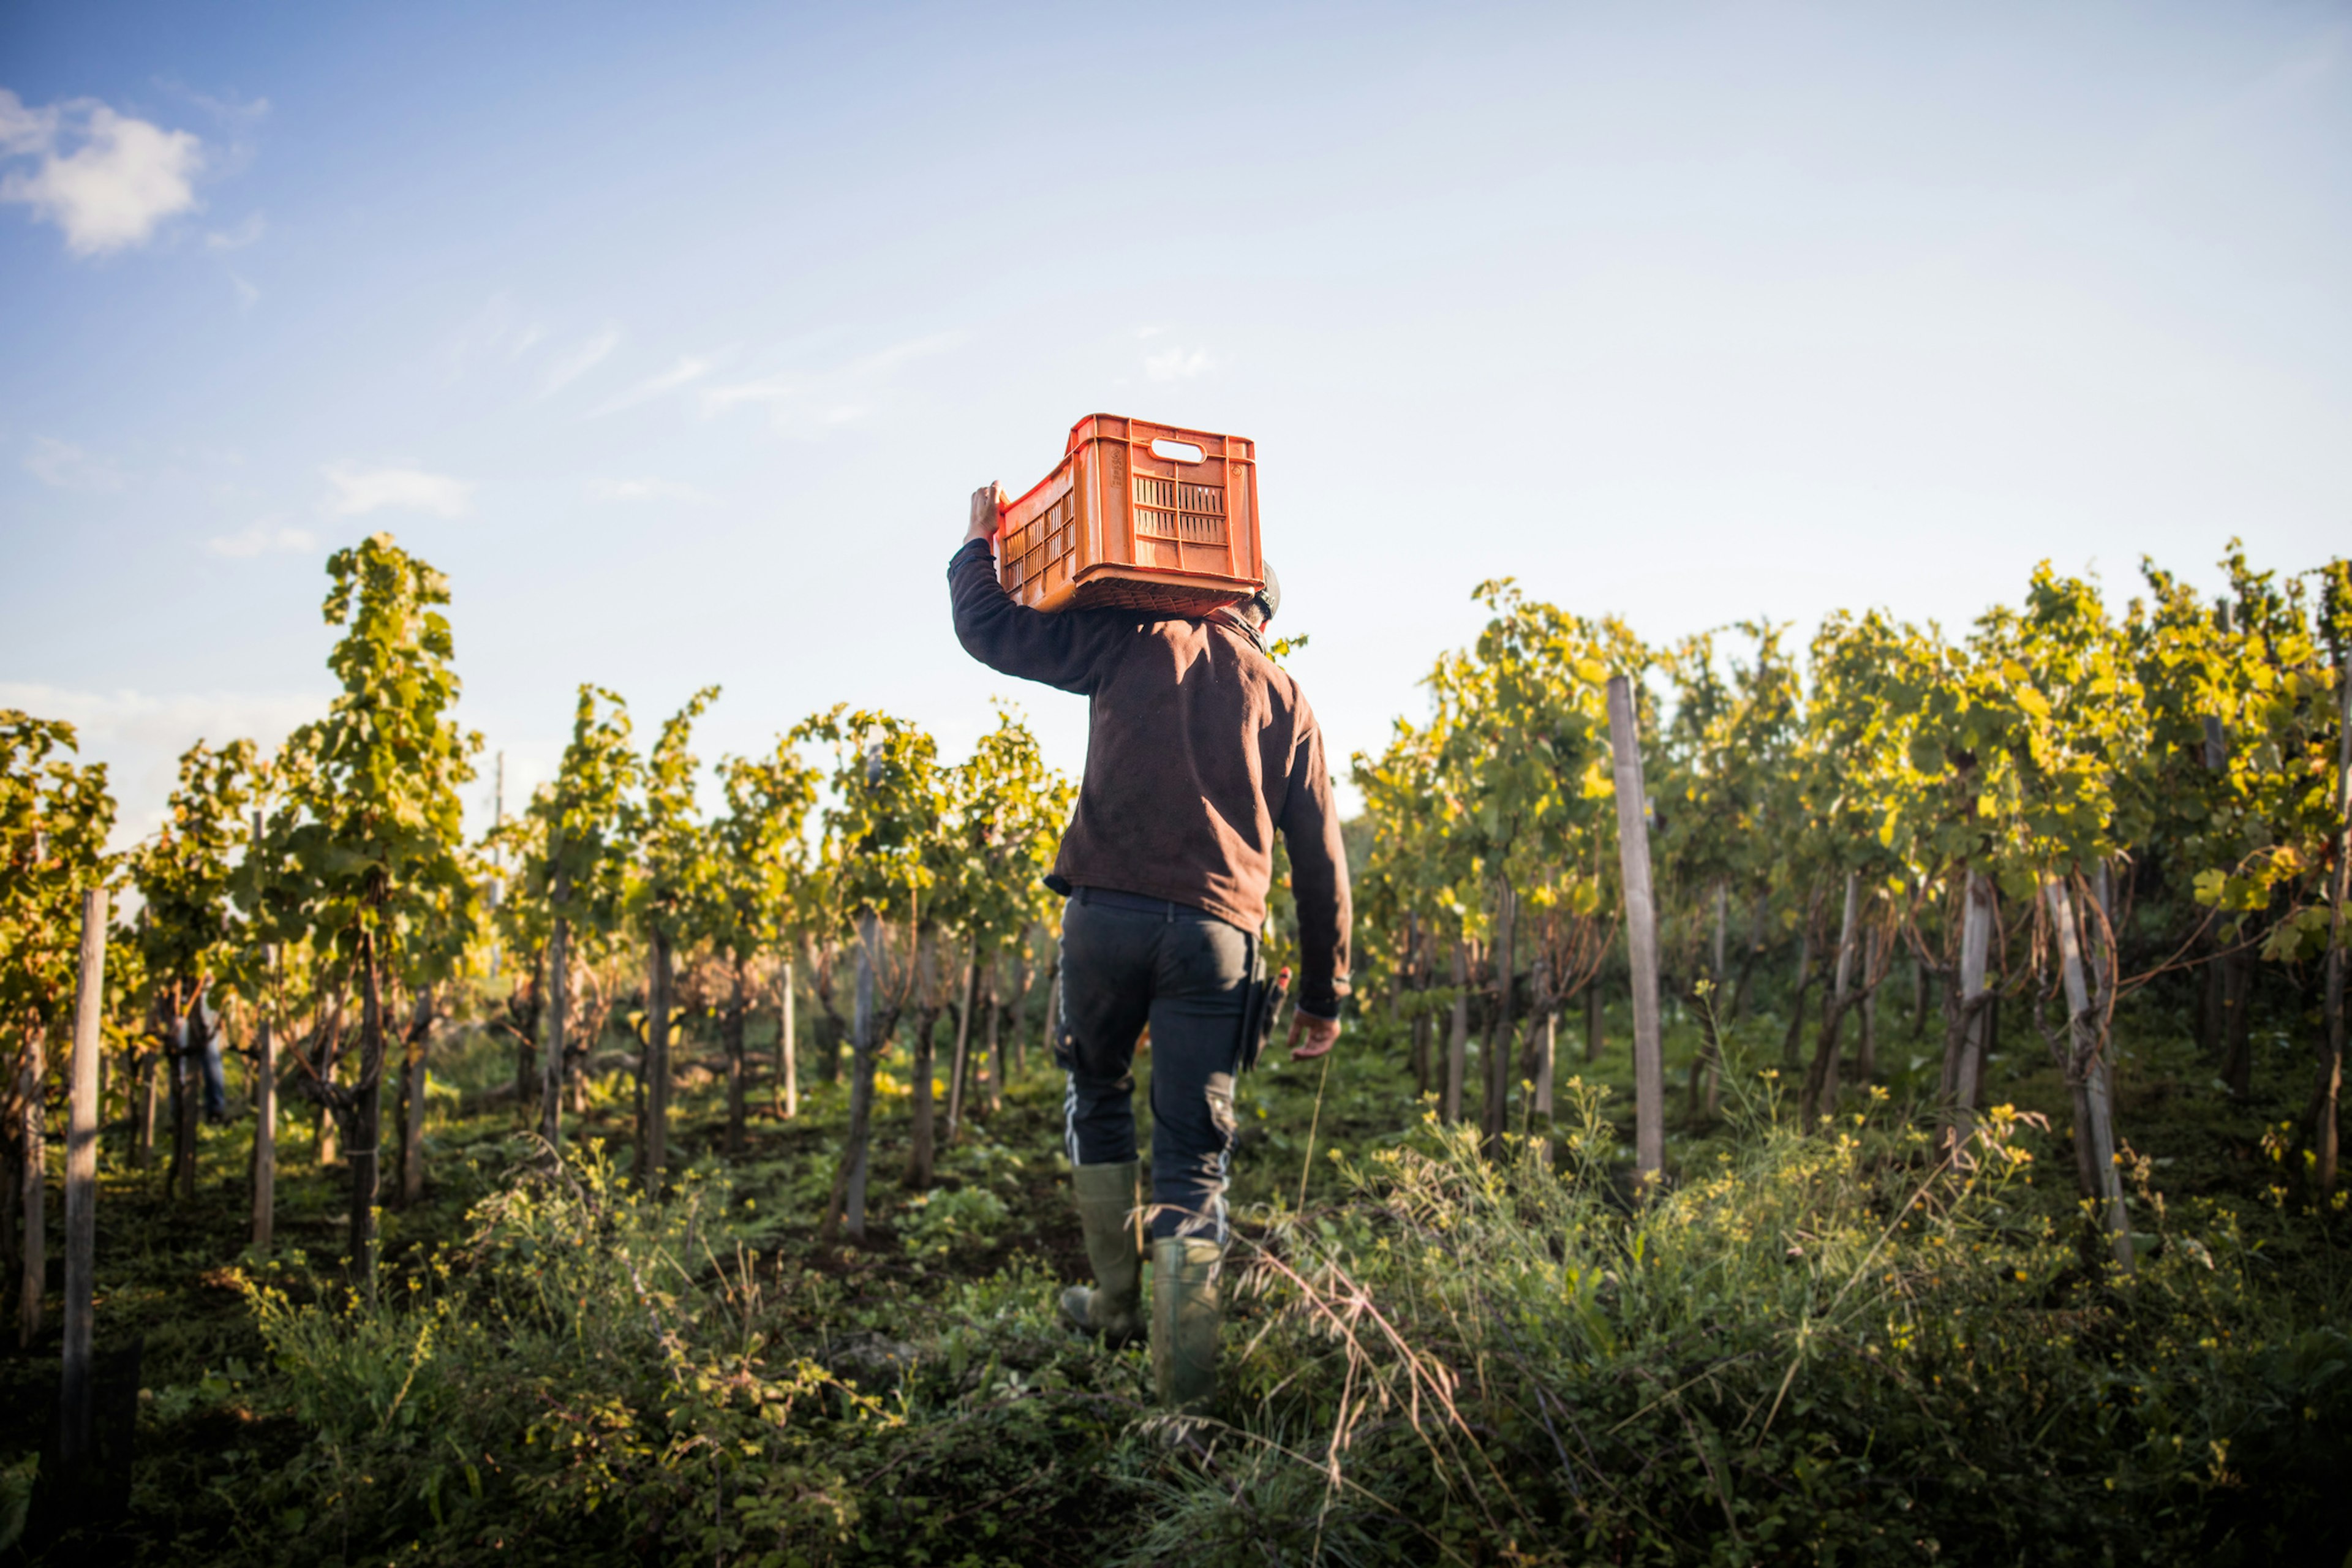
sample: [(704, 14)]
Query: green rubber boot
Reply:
[(1113, 1306), (1185, 1319)]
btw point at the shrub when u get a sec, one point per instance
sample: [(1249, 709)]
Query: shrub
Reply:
[(603, 1376), (1830, 1347)]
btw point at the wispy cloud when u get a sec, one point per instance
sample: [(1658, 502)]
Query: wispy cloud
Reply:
[(105, 179), (235, 114), (645, 489), (64, 466), (579, 361), (689, 369), (891, 358), (358, 492), (810, 403), (496, 334), (249, 232), (262, 537), (1178, 365)]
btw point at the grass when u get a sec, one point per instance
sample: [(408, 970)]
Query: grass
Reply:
[(1816, 1346)]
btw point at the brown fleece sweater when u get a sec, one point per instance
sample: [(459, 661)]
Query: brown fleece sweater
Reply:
[(1199, 748)]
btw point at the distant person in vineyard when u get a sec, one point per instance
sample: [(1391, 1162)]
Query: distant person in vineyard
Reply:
[(1199, 750)]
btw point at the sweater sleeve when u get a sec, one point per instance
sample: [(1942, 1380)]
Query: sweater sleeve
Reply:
[(1060, 651), (1318, 879)]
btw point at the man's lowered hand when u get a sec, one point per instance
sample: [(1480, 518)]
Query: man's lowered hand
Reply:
[(1319, 1036)]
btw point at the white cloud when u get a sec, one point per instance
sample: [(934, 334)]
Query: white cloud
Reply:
[(812, 403), (247, 294), (139, 735), (1178, 365), (120, 179), (579, 361), (358, 492), (644, 489), (249, 232), (66, 467), (686, 371), (24, 130), (263, 536)]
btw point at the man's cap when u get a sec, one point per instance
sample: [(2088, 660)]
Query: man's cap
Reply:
[(1260, 606)]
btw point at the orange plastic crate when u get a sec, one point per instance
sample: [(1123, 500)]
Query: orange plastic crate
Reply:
[(1136, 516)]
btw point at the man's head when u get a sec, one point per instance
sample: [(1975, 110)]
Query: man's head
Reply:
[(1259, 607)]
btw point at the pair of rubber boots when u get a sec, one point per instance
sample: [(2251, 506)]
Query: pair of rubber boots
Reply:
[(1185, 1315)]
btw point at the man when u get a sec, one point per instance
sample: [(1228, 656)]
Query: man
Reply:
[(1199, 750)]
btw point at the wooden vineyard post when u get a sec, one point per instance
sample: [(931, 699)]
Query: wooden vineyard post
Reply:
[(963, 1038), (788, 1071), (1410, 977), (144, 1066), (861, 1082), (845, 1209), (732, 1027), (1964, 1046), (365, 1155), (657, 1063), (412, 1085), (558, 1001), (265, 1095), (1641, 932), (1722, 903), (1802, 984), (1821, 1082), (992, 1047), (1457, 1038), (81, 1184), (1495, 1110), (2088, 1078), (1707, 1072), (1547, 1063), (187, 1096), (1014, 1036), (32, 1190), (921, 1140), (1919, 983), (1866, 1048), (2331, 1076)]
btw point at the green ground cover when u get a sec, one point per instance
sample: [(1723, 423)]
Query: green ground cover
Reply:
[(1820, 1345)]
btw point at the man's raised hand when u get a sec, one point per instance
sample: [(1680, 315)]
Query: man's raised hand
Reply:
[(985, 501)]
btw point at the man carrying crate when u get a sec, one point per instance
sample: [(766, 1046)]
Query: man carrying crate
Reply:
[(1199, 750)]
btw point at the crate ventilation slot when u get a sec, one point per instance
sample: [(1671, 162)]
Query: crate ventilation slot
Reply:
[(1166, 509)]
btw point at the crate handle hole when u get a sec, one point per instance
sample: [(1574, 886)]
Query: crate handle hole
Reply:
[(1177, 451)]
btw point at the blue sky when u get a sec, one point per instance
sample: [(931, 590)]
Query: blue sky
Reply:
[(677, 336)]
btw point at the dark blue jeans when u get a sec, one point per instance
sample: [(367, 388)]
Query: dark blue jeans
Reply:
[(1130, 960)]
